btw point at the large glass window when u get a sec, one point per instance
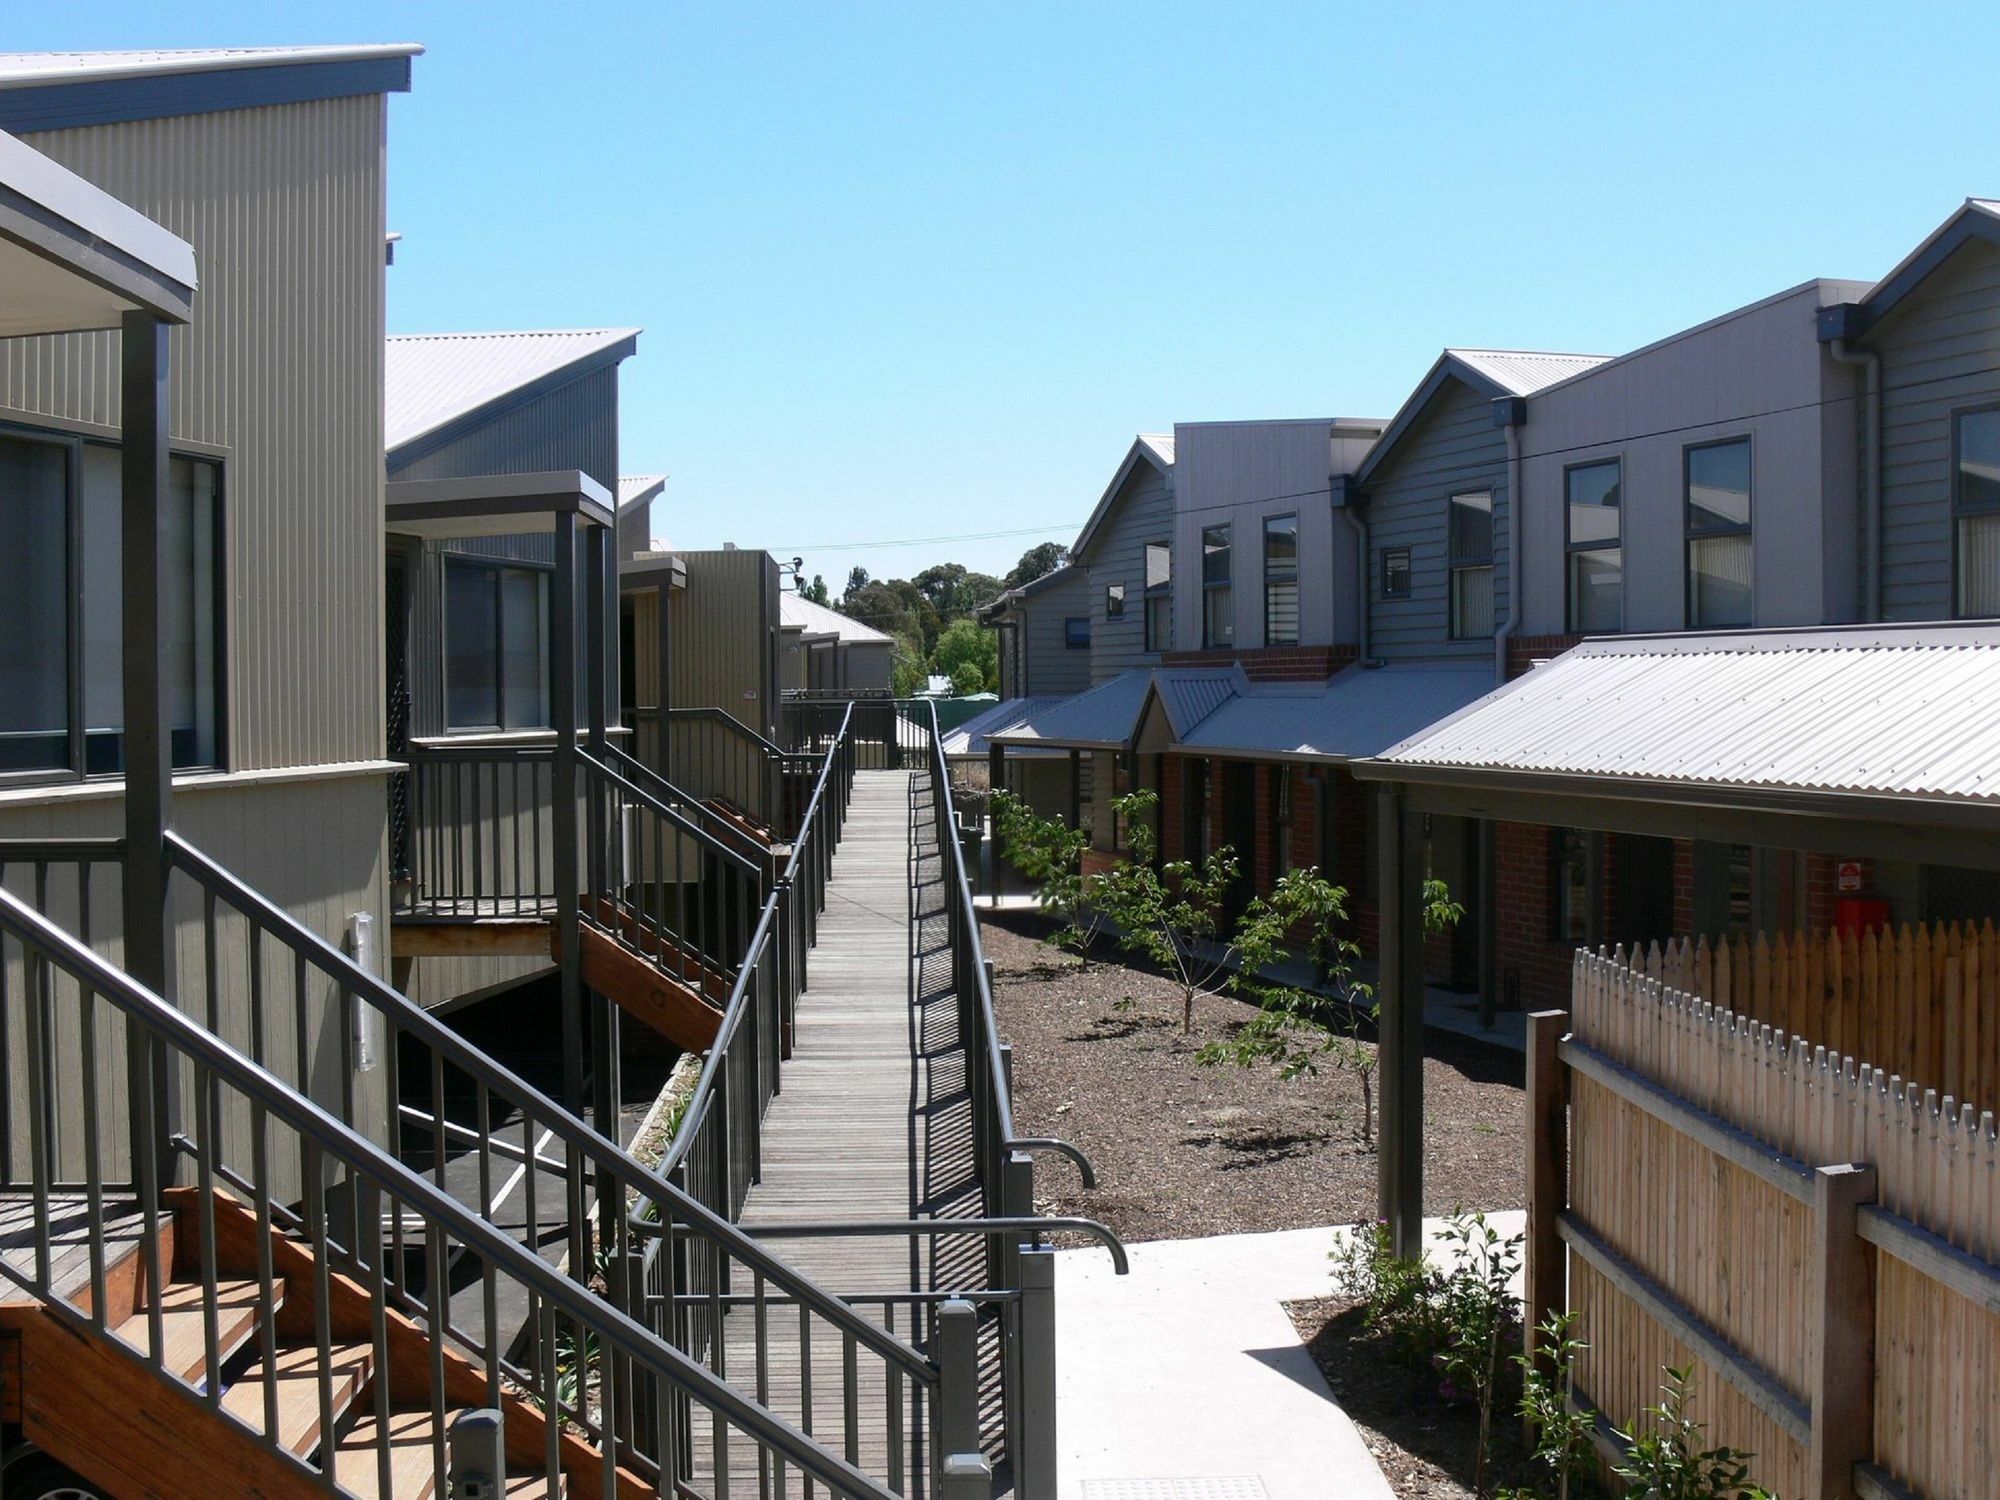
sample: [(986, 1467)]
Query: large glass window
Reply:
[(1470, 560), (495, 646), (1281, 580), (1975, 500), (1596, 556), (1159, 596), (62, 691), (1717, 482), (1218, 613)]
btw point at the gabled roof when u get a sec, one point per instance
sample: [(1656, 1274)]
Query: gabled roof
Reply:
[(1102, 718), (972, 737), (1354, 714), (62, 90), (638, 489), (796, 612), (1491, 372), (1977, 219), (1000, 602), (437, 383), (1747, 717), (1188, 695), (1155, 448)]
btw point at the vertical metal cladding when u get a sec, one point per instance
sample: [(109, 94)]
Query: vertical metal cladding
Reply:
[(724, 636), (281, 372)]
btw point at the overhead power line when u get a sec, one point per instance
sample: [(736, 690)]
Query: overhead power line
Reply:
[(924, 541)]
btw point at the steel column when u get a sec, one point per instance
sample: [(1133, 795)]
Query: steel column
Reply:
[(1400, 1162), (563, 818), (148, 735)]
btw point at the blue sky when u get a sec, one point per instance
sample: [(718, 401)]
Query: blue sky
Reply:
[(920, 271)]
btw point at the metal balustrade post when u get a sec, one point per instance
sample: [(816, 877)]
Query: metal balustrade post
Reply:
[(1032, 1442), (563, 817), (964, 1473), (478, 1445)]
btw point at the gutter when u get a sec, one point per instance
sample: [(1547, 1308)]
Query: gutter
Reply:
[(1344, 504), (1871, 471), (1510, 412)]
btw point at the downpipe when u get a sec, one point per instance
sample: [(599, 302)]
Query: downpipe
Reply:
[(1506, 632)]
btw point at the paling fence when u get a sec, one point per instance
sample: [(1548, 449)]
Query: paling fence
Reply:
[(1816, 1234)]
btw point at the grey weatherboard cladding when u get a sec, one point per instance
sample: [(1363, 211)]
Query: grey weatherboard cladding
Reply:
[(1142, 512)]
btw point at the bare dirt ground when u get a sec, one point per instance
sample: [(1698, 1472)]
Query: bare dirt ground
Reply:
[(1184, 1150)]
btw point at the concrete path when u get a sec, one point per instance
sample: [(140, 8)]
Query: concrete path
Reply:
[(1187, 1381)]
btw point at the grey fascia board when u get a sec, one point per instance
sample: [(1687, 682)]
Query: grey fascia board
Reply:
[(1970, 223), (1134, 455), (65, 218), (442, 434), (56, 102), (1807, 802), (510, 504), (1448, 367)]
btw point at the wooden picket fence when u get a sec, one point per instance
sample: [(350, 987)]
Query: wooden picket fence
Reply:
[(1921, 1001), (1844, 1323)]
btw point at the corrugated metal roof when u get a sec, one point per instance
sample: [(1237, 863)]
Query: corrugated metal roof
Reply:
[(1101, 718), (797, 612), (635, 489), (1871, 710), (1522, 372), (21, 69), (1190, 694), (435, 378), (1352, 715), (973, 737), (1162, 444)]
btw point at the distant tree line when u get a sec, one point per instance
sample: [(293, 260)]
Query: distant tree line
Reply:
[(931, 617)]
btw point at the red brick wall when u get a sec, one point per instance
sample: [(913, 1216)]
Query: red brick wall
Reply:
[(1683, 886), (1271, 663), (1170, 808), (1523, 651)]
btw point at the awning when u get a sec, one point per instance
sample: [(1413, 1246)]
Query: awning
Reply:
[(1105, 717), (973, 738), (495, 504), (1879, 721), (1356, 713), (73, 257)]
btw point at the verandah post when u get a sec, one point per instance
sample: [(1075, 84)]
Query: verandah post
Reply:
[(1841, 1346), (563, 815), (1400, 1163), (1545, 1283)]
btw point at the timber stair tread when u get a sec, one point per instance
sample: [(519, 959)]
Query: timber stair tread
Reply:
[(296, 1375), (412, 1461), (238, 1307)]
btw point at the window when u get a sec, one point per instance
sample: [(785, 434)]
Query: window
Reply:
[(62, 691), (1975, 504), (495, 646), (1159, 596), (1114, 601), (1596, 558), (1218, 615), (1470, 558), (1395, 572), (1076, 633), (1281, 580), (1716, 479)]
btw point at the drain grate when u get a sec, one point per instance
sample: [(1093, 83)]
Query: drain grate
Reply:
[(1231, 1487)]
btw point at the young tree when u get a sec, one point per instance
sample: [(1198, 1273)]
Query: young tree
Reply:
[(857, 580), (1049, 852), (817, 591), (1175, 914)]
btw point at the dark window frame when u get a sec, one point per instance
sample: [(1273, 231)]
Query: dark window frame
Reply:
[(1281, 576), (498, 566), (1689, 535), (1159, 605), (1224, 585), (1070, 624), (1389, 589), (1571, 547), (1959, 509), (1456, 563), (76, 728), (1114, 601)]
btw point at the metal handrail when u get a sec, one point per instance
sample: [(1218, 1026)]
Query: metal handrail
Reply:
[(729, 722), (597, 1150), (214, 1061), (664, 791), (1034, 1224), (680, 821)]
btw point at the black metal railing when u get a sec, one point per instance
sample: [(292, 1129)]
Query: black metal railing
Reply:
[(409, 1254), (481, 839), (723, 762)]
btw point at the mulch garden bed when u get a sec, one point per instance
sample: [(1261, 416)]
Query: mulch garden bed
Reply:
[(1424, 1444), (1183, 1150)]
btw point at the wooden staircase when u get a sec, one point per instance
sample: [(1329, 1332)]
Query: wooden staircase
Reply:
[(134, 1430)]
